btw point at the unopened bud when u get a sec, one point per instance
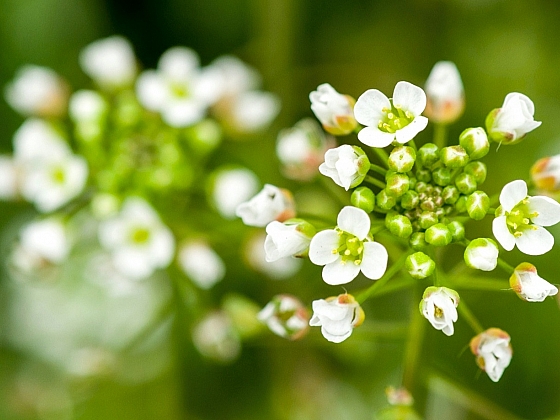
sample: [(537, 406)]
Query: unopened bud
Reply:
[(397, 184), (450, 194), (427, 155), (475, 142), (442, 176), (438, 235), (419, 265), (466, 183), (444, 93), (461, 204), (454, 156), (546, 174), (478, 204), (363, 198), (427, 219), (402, 159), (409, 199), (398, 225), (477, 170), (423, 175), (457, 231), (417, 241), (482, 254), (385, 201)]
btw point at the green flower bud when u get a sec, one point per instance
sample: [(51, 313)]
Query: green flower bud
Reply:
[(424, 175), (466, 183), (397, 184), (417, 241), (409, 199), (419, 265), (475, 142), (402, 159), (454, 156), (478, 204), (438, 235), (442, 176), (398, 225), (363, 198), (461, 204), (478, 170), (412, 182), (385, 201), (450, 194), (457, 231), (427, 155), (427, 219), (421, 187)]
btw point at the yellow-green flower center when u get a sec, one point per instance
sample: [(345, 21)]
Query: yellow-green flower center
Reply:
[(58, 175), (140, 235), (395, 119), (350, 248), (519, 218)]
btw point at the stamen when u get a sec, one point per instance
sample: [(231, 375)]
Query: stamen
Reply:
[(517, 234), (357, 262), (390, 115)]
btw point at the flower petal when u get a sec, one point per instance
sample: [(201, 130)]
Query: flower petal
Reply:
[(322, 246), (407, 133), (502, 233), (548, 210), (368, 109), (374, 137), (339, 272), (409, 97), (355, 221), (374, 262), (512, 194), (535, 240)]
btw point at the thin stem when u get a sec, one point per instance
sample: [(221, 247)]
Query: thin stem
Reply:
[(334, 191), (317, 218), (376, 168), (468, 316), (382, 155), (505, 266), (413, 349), (374, 181), (392, 271), (440, 135)]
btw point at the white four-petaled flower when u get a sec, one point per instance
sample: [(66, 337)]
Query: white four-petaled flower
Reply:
[(285, 316), (493, 352), (333, 109), (346, 165), (439, 306), (387, 120), (337, 317), (201, 264), (529, 285), (520, 220), (348, 249)]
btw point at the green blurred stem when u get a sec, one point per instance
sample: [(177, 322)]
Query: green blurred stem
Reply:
[(413, 350), (505, 266), (317, 218), (376, 168), (382, 155), (468, 316), (374, 181), (334, 191), (440, 135), (392, 271)]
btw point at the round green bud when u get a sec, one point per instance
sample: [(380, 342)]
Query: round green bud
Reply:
[(478, 204), (475, 142), (409, 199), (385, 201), (457, 231), (478, 170), (424, 175), (398, 225), (427, 155), (438, 235), (363, 198), (442, 176), (397, 184), (450, 194), (454, 156), (427, 219), (402, 159), (466, 183), (419, 265), (421, 187), (412, 182), (461, 204), (417, 241)]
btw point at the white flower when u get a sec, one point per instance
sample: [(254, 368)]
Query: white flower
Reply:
[(287, 239), (348, 249), (482, 254), (285, 316), (520, 220), (333, 109), (201, 264), (231, 187), (86, 106), (439, 306), (237, 76), (110, 62), (255, 255), (529, 285), (139, 242), (9, 178), (337, 317), (445, 93), (271, 203), (346, 165), (545, 174), (493, 352), (510, 123), (214, 337), (45, 240), (37, 91), (253, 111), (389, 120)]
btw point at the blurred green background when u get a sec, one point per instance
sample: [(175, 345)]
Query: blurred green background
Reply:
[(499, 46)]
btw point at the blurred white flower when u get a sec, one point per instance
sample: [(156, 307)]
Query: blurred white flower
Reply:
[(280, 269), (236, 76), (529, 285), (231, 187), (439, 306), (545, 174), (271, 203), (285, 316), (493, 352), (86, 106), (334, 110), (201, 264), (445, 93), (254, 110), (9, 178), (337, 317), (137, 239), (110, 62), (37, 91), (214, 337)]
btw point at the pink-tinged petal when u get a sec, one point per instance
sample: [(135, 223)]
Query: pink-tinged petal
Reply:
[(374, 262), (339, 272), (355, 221), (512, 194), (409, 97), (407, 133), (374, 137), (502, 233), (322, 246), (548, 210), (535, 240), (368, 109)]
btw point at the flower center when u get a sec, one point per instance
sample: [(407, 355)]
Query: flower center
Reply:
[(180, 90), (519, 218), (58, 175), (438, 312), (140, 235), (350, 248), (395, 118)]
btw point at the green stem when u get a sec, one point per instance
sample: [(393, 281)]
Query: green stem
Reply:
[(468, 316), (317, 218), (376, 168), (334, 191), (413, 349), (374, 181), (440, 135), (382, 155), (505, 266), (392, 271)]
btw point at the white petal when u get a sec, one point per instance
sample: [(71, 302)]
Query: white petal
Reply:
[(535, 241), (374, 262), (548, 210), (322, 246), (409, 97), (516, 96), (368, 109), (512, 194), (374, 137), (337, 272), (151, 90), (407, 133), (355, 221), (502, 233)]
